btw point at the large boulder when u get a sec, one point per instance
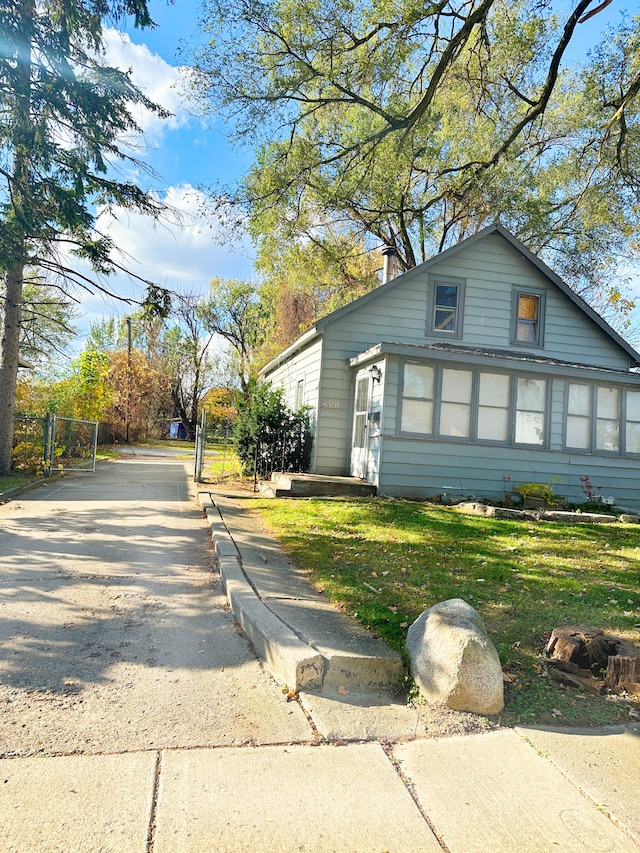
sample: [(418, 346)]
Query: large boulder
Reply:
[(453, 661)]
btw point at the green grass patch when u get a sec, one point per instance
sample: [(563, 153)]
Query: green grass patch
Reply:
[(385, 562), (16, 480)]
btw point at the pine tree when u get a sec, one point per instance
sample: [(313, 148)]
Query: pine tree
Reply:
[(62, 115)]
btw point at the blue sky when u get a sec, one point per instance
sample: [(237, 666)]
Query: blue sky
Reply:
[(187, 155)]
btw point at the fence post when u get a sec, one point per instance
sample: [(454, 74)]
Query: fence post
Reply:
[(49, 440)]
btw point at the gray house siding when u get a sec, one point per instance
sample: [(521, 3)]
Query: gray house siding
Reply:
[(414, 468), (491, 268), (305, 367)]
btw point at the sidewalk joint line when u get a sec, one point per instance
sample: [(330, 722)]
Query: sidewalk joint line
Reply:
[(387, 748), (154, 804)]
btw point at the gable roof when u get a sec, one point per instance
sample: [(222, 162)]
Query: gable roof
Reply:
[(496, 228)]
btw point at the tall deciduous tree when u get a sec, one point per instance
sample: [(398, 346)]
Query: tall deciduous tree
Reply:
[(188, 358), (417, 124), (62, 113), (240, 313)]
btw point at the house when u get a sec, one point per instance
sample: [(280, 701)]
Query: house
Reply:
[(476, 369)]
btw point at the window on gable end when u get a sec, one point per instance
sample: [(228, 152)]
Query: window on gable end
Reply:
[(446, 308), (528, 318)]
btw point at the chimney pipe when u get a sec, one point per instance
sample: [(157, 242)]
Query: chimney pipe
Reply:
[(388, 265)]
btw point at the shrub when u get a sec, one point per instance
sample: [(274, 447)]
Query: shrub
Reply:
[(270, 436)]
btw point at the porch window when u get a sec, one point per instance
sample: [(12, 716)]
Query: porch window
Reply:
[(632, 444), (493, 407), (608, 419), (455, 405), (417, 399), (579, 416), (531, 396)]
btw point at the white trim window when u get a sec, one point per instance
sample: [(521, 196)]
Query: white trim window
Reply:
[(527, 323), (632, 422), (531, 404), (608, 419), (417, 399), (455, 403), (494, 393), (446, 308), (579, 406), (473, 405)]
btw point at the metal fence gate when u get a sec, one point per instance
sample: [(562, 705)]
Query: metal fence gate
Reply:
[(70, 444)]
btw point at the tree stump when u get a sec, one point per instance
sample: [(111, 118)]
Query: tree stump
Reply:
[(584, 654), (623, 673), (586, 648)]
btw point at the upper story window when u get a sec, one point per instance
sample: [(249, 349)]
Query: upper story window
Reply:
[(528, 318), (446, 307)]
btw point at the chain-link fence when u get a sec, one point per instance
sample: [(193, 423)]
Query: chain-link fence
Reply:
[(45, 445)]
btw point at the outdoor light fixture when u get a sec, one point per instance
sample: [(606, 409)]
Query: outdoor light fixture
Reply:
[(375, 373)]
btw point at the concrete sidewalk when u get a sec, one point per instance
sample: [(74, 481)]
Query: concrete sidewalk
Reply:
[(135, 717)]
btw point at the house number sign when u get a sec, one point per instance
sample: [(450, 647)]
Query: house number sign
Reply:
[(330, 404)]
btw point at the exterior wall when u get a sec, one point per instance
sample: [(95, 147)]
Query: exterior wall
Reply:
[(491, 269)]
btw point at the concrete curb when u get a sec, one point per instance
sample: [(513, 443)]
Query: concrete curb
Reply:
[(289, 659)]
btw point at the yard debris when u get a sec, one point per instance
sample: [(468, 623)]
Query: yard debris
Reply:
[(589, 658)]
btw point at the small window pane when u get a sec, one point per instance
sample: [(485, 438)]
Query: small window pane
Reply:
[(417, 416), (494, 389), (578, 432), (528, 307), (418, 381), (607, 435), (528, 318), (633, 438), (579, 400), (359, 430), (362, 395), (531, 394), (456, 385), (529, 428), (608, 403), (633, 405), (455, 419), (493, 423)]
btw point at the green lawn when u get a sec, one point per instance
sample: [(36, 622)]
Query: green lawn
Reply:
[(386, 561), (15, 480)]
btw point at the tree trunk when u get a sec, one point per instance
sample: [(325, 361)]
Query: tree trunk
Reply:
[(9, 348)]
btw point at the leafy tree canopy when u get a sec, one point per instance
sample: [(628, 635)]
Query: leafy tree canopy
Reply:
[(417, 124)]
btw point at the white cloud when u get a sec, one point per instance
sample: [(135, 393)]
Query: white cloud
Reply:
[(159, 81), (181, 256)]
